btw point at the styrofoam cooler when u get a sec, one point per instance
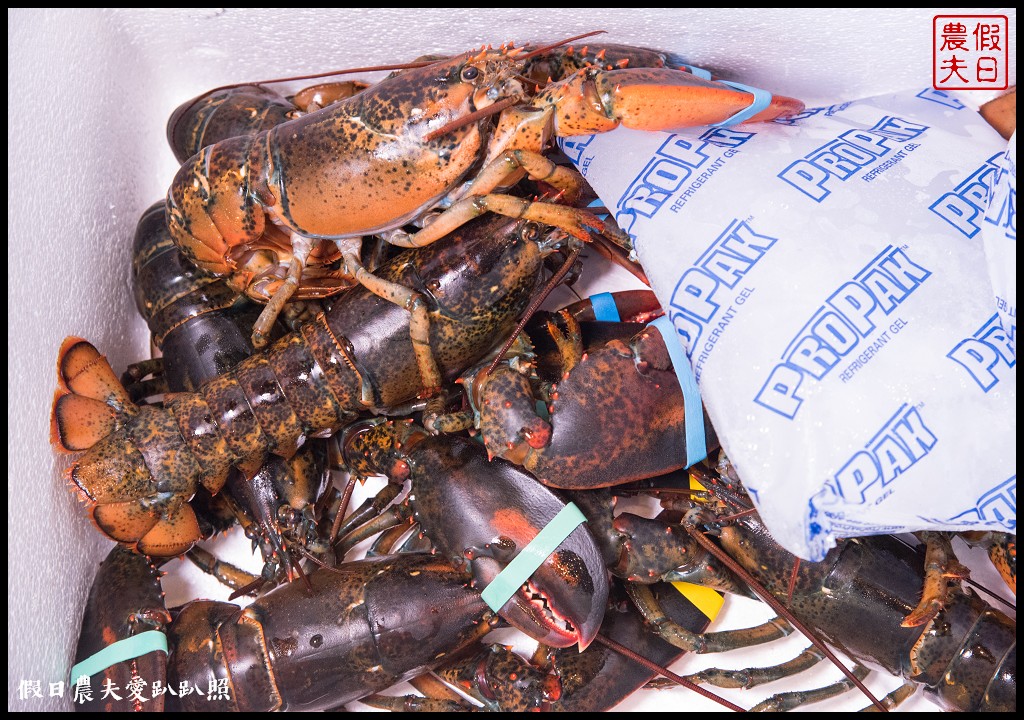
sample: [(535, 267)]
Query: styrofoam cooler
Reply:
[(89, 95)]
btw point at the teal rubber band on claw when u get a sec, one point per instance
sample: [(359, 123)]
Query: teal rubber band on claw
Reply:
[(525, 564), (127, 649), (762, 99), (696, 440), (604, 308)]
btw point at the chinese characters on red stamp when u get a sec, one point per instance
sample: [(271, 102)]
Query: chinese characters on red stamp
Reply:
[(970, 52)]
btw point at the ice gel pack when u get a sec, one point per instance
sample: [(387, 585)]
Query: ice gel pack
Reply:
[(827, 278), (1000, 233)]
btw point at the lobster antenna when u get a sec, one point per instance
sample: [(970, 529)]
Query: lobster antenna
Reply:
[(492, 109), (249, 589), (635, 657), (349, 489), (301, 573), (792, 580), (560, 43), (993, 595), (778, 607), (318, 562), (331, 73)]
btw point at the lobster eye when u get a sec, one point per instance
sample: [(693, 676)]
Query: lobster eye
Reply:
[(530, 232), (470, 73)]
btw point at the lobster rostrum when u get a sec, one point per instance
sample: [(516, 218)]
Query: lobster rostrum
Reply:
[(142, 464), (383, 158), (501, 509), (365, 626)]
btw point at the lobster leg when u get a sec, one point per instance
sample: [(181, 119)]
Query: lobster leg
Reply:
[(369, 509), (301, 247), (1002, 551), (784, 702), (134, 379), (495, 677), (386, 521), (569, 341), (386, 542), (413, 703), (419, 322), (721, 641), (574, 221), (225, 573), (940, 564), (754, 676), (509, 167)]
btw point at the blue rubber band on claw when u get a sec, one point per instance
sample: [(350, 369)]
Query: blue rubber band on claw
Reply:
[(698, 72), (525, 564), (762, 99), (604, 308), (598, 203), (127, 649), (693, 409)]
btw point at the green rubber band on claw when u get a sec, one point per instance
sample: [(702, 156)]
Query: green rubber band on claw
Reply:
[(127, 649), (525, 564)]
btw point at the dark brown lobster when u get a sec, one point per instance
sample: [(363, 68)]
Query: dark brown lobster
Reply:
[(365, 626), (859, 598), (611, 410), (202, 329), (143, 464)]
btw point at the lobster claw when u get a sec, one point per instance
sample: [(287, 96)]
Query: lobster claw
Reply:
[(594, 100), (667, 99), (125, 601), (501, 509)]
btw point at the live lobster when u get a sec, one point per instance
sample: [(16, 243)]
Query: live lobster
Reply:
[(964, 654), (202, 329), (383, 158), (142, 465)]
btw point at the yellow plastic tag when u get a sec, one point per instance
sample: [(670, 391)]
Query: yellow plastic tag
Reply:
[(696, 487), (705, 599)]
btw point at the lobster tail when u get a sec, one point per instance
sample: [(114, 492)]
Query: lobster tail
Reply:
[(137, 481), (224, 113), (130, 502), (90, 402)]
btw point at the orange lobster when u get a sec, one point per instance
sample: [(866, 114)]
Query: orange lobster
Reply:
[(421, 139)]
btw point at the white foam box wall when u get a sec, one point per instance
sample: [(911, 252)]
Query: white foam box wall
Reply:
[(89, 95)]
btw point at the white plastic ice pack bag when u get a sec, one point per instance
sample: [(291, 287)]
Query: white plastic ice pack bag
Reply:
[(828, 281)]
